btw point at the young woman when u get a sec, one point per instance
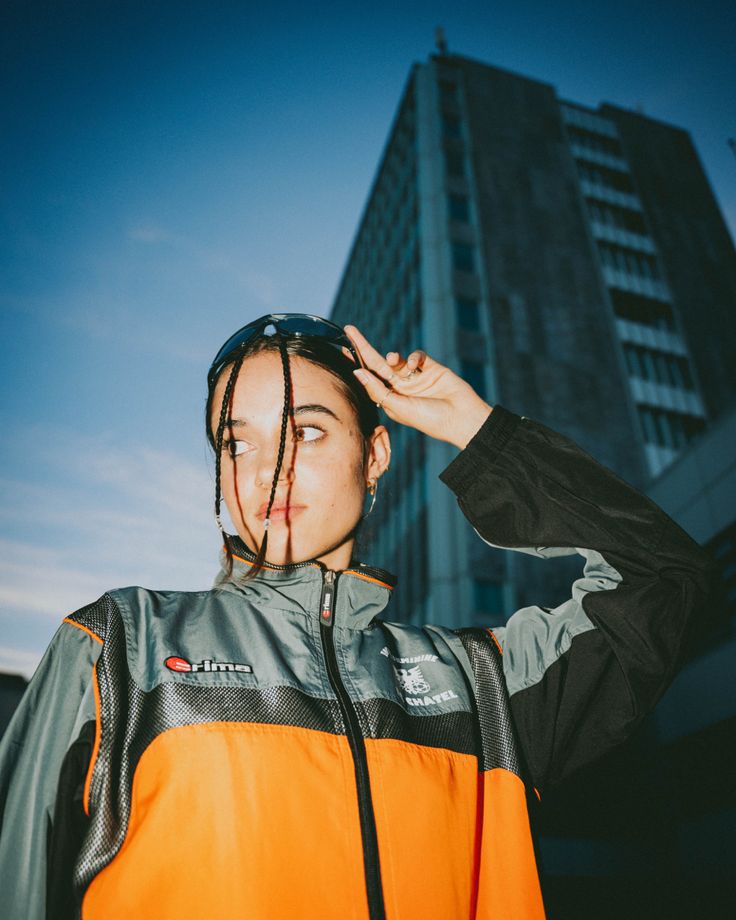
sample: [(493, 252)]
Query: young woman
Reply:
[(274, 747)]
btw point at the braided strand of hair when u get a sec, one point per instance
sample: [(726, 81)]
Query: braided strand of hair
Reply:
[(285, 420), (225, 416)]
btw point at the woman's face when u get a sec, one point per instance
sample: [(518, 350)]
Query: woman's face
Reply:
[(320, 493)]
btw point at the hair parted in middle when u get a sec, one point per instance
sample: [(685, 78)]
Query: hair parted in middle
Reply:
[(318, 352)]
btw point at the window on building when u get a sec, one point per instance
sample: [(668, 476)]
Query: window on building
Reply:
[(463, 257), (606, 255), (647, 363), (664, 424), (663, 363), (667, 369), (460, 208), (668, 429), (628, 260), (455, 163), (646, 417), (474, 373), (595, 211), (639, 309), (684, 369), (608, 178), (632, 361), (677, 429), (612, 216), (596, 142), (468, 314)]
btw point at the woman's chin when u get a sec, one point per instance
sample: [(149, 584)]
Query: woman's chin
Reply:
[(283, 549)]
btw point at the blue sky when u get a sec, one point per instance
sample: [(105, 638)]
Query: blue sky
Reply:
[(170, 171)]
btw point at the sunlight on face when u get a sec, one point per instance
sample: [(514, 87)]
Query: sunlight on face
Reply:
[(320, 492)]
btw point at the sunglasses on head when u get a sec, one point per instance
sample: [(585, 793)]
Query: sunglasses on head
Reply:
[(299, 324)]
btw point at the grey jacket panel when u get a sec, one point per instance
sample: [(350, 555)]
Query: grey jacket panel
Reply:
[(424, 670), (536, 637), (57, 703), (420, 669), (280, 644)]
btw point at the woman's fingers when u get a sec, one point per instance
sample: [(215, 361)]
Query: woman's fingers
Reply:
[(378, 391), (405, 370), (388, 379), (418, 391), (416, 360), (372, 359)]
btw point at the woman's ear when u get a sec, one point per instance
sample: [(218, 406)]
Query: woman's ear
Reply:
[(379, 453)]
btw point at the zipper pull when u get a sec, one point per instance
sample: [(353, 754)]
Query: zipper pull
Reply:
[(326, 612)]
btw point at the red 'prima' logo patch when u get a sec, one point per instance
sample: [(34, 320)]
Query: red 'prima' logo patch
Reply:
[(175, 663), (182, 666)]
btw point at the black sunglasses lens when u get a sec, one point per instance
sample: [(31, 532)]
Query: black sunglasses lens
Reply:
[(236, 340), (310, 325), (294, 324), (303, 324)]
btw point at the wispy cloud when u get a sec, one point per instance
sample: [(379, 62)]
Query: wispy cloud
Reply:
[(37, 579), (125, 514)]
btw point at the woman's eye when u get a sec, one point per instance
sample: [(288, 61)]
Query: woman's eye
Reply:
[(235, 448), (308, 433)]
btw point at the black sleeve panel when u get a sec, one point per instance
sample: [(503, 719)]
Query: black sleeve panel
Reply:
[(581, 676)]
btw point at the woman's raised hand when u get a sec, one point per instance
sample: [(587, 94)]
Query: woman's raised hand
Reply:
[(420, 392)]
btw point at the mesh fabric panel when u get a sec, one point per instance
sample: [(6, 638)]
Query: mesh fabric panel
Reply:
[(500, 747), (95, 616), (453, 731)]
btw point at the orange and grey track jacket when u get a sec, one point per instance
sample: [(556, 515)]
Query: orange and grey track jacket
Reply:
[(275, 749)]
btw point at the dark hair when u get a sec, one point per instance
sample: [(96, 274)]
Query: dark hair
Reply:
[(312, 349)]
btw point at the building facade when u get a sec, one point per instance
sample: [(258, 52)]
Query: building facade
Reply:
[(573, 266)]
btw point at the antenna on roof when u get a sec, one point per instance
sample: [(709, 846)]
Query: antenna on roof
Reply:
[(440, 41)]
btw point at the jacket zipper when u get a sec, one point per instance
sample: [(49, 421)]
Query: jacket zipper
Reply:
[(371, 862), (359, 569)]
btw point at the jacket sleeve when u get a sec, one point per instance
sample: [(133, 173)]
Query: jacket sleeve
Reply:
[(582, 675), (44, 755)]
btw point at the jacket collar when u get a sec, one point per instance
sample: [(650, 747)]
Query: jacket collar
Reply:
[(362, 593)]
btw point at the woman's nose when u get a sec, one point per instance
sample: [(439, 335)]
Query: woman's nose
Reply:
[(268, 462)]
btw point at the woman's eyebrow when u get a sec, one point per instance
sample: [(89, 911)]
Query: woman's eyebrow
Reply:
[(298, 410), (314, 407)]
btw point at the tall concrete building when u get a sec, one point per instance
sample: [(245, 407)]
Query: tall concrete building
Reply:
[(571, 264)]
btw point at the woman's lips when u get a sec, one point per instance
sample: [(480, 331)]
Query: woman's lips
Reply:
[(280, 512)]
